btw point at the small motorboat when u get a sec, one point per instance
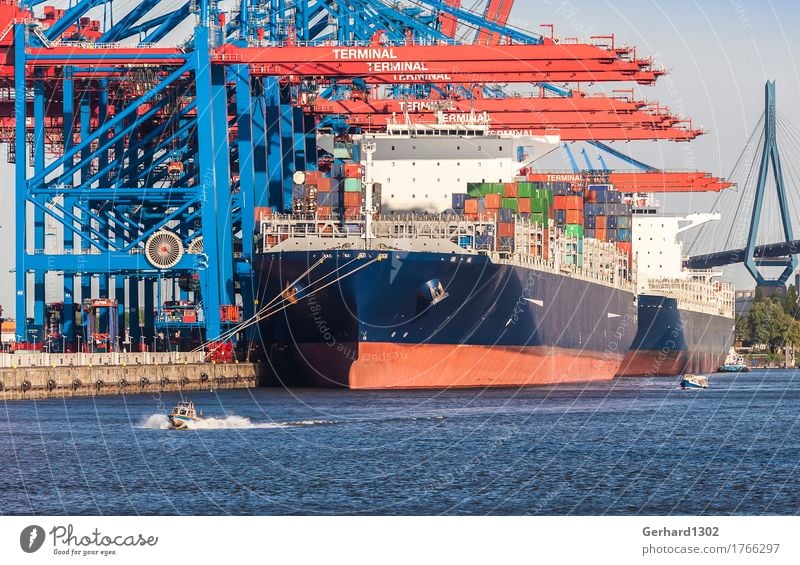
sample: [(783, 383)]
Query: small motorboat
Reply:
[(734, 363), (183, 415), (694, 381)]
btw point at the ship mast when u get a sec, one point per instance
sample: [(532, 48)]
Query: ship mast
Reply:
[(369, 151)]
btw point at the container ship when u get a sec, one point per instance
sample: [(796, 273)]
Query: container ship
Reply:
[(685, 318), (418, 267)]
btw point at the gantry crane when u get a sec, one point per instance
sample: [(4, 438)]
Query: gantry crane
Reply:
[(154, 154)]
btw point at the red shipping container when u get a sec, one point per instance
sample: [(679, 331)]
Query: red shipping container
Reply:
[(575, 217), (560, 202), (352, 200), (493, 201), (472, 216), (601, 223), (601, 234), (524, 205), (510, 190), (626, 247), (262, 213), (324, 184), (505, 230), (471, 206), (574, 203), (312, 177), (324, 212), (352, 213), (352, 170)]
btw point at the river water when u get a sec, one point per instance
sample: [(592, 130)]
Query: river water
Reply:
[(625, 447)]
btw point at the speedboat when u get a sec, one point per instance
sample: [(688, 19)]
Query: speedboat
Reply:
[(183, 415), (694, 381)]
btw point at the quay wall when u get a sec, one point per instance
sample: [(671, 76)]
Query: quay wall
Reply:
[(42, 375)]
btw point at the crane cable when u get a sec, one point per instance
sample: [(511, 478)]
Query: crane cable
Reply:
[(223, 337), (265, 313)]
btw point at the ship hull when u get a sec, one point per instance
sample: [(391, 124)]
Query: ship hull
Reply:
[(671, 341), (498, 325)]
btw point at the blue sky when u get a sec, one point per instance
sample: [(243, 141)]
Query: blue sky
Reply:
[(719, 52)]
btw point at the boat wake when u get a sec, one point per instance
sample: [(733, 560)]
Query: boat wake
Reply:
[(160, 422)]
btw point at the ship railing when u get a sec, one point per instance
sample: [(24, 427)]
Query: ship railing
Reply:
[(713, 297)]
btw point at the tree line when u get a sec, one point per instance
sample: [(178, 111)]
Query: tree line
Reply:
[(772, 322)]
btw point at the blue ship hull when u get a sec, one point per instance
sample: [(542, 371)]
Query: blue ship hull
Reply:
[(383, 327), (671, 341)]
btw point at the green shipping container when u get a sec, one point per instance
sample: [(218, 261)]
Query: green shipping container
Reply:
[(540, 220), (525, 189), (352, 185), (544, 194), (574, 230), (511, 204), (540, 205), (481, 189)]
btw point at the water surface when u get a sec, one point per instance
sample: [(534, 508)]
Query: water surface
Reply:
[(618, 448)]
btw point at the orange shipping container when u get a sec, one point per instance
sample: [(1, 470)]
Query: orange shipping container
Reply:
[(312, 177), (470, 215), (262, 213), (352, 170), (524, 205), (600, 223), (601, 234), (574, 203), (590, 196), (471, 206), (324, 212), (324, 184), (493, 201), (505, 230), (575, 217), (352, 200), (510, 190), (560, 202)]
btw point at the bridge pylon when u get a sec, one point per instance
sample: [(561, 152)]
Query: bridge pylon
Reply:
[(771, 155)]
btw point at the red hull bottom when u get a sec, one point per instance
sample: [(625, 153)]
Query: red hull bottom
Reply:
[(400, 366), (668, 363)]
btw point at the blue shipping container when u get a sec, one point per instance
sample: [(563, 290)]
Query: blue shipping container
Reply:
[(589, 209), (614, 196), (589, 233), (332, 199), (590, 222), (611, 222), (561, 217), (601, 196), (624, 235), (504, 215), (624, 222), (298, 192), (484, 241), (459, 200), (506, 243)]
